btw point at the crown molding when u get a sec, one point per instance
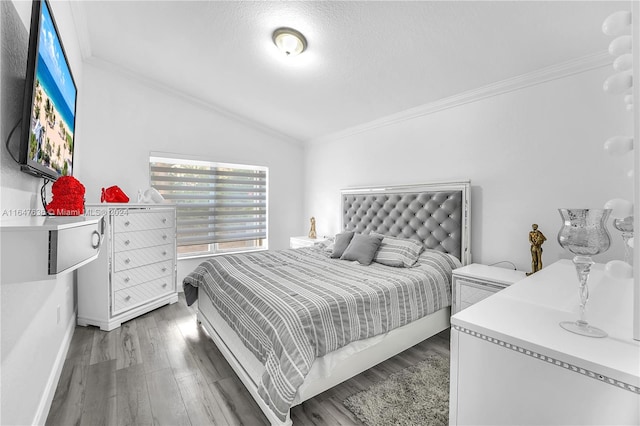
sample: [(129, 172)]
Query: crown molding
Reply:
[(109, 66), (554, 72)]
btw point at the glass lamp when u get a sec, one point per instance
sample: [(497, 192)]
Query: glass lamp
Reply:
[(584, 234)]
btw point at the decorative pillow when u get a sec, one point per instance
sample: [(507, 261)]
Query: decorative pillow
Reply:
[(326, 245), (398, 252), (340, 244), (363, 248), (434, 257)]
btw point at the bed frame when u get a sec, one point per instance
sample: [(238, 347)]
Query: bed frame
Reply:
[(437, 214)]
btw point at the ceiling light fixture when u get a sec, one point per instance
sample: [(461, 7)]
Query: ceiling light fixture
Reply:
[(289, 41)]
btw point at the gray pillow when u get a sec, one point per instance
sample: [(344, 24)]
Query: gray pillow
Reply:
[(362, 248), (340, 245)]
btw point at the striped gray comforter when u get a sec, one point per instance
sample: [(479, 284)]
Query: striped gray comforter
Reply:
[(292, 306)]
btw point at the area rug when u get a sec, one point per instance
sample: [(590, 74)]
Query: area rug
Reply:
[(418, 395)]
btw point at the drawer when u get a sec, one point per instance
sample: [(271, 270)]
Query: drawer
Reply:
[(473, 293), (141, 257), (72, 246), (135, 276), (139, 294), (141, 239), (140, 220)]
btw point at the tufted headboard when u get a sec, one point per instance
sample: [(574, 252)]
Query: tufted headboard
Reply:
[(436, 214)]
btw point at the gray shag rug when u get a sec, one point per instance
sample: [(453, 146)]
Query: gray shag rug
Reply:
[(418, 395)]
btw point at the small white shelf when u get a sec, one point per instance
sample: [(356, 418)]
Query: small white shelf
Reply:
[(37, 248)]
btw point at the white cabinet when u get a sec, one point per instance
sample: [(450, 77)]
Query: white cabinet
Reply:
[(475, 282), (39, 247), (512, 364), (298, 242), (136, 271)]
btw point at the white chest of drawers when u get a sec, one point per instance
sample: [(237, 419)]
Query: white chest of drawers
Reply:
[(136, 270)]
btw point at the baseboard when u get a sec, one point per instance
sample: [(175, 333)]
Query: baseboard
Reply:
[(47, 397), (111, 323)]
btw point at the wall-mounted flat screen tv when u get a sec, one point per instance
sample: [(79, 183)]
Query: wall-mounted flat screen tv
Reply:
[(49, 115)]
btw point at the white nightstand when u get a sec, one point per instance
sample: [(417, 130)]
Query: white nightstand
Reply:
[(298, 242), (475, 282)]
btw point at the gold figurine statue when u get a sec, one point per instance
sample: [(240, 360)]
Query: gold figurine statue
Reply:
[(536, 239), (312, 231)]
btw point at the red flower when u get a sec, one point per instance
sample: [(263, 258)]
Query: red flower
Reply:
[(68, 197)]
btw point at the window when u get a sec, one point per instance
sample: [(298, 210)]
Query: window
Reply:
[(221, 208)]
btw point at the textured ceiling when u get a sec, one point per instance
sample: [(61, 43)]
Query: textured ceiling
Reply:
[(365, 60)]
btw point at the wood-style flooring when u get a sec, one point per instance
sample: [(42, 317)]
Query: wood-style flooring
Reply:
[(162, 369)]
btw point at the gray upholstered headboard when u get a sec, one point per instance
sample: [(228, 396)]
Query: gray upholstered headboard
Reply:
[(436, 214)]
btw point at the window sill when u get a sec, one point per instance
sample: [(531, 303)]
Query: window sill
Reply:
[(204, 255)]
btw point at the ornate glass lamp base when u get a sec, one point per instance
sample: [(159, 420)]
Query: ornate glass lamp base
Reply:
[(583, 328)]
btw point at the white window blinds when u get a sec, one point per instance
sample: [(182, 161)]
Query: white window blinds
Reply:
[(216, 202)]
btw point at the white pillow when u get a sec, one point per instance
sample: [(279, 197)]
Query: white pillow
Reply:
[(398, 252)]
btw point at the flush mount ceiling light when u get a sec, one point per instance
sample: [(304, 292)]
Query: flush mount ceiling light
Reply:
[(289, 41)]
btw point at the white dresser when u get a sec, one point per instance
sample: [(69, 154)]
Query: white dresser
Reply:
[(511, 363), (136, 270)]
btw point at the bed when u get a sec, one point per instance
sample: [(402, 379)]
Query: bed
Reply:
[(294, 323)]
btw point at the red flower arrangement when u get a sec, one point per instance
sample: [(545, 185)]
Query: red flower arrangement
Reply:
[(68, 197)]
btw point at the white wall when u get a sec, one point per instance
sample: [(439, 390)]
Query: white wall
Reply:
[(125, 118), (33, 341), (527, 153)]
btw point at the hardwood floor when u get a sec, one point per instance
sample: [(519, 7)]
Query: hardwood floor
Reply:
[(162, 369)]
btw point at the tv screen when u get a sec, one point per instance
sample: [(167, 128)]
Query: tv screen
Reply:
[(47, 144)]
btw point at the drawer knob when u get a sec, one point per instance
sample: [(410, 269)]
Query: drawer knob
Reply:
[(164, 220), (164, 253), (126, 280), (164, 269), (164, 237), (127, 298), (126, 243), (164, 285), (127, 260), (127, 223), (95, 239)]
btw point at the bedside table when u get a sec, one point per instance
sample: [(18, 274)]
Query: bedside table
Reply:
[(475, 282), (298, 242)]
